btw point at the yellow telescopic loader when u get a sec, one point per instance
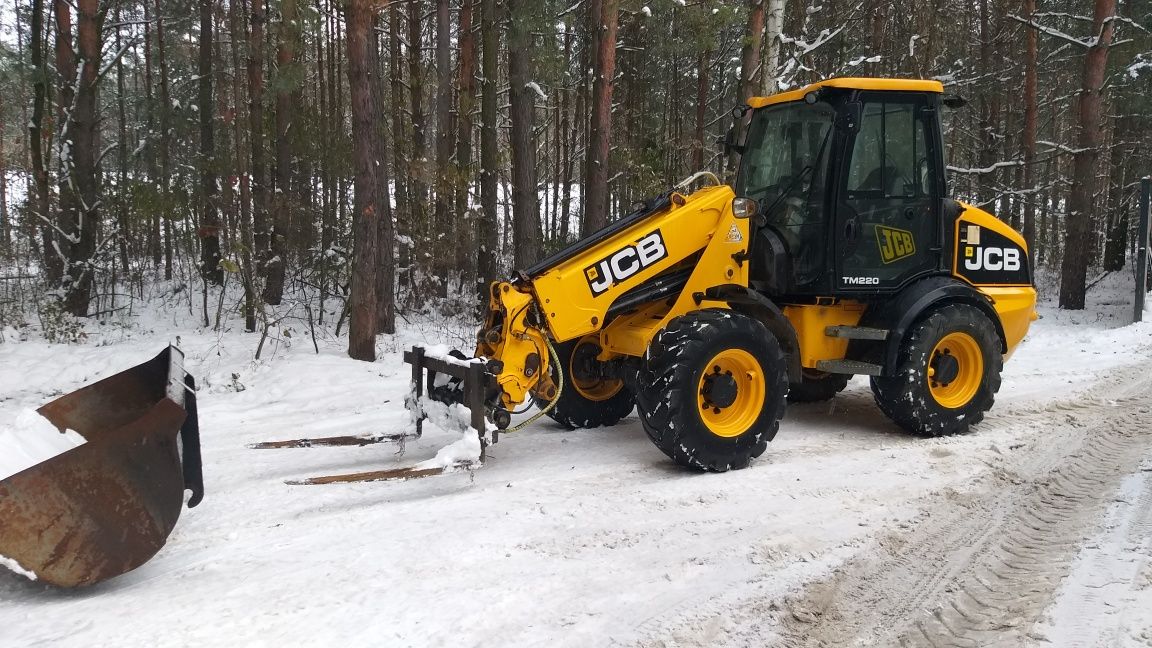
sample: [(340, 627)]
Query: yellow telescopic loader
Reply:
[(836, 253)]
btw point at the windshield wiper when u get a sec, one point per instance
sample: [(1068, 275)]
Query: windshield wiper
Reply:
[(763, 217)]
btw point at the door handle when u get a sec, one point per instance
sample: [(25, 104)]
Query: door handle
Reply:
[(850, 229)]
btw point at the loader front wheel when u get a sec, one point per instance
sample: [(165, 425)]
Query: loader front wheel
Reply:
[(712, 390), (589, 399), (947, 374)]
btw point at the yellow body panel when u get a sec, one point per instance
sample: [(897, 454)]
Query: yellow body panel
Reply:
[(856, 83), (984, 219), (1014, 303), (1016, 306), (701, 224), (811, 322), (630, 334)]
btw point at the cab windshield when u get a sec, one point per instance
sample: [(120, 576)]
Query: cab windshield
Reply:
[(784, 164), (785, 168)]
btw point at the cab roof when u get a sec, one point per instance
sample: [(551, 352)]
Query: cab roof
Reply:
[(853, 83)]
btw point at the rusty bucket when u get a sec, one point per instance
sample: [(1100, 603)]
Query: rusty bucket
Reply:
[(106, 507)]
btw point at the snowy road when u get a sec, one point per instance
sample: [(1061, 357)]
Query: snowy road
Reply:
[(845, 532), (982, 565)]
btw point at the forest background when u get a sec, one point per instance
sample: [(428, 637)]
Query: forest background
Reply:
[(364, 159)]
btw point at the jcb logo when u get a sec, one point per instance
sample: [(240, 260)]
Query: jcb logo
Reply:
[(895, 244), (625, 262), (991, 258)]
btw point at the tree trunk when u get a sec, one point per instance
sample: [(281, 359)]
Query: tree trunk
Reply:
[(602, 25), (488, 247), (362, 325), (5, 224), (525, 199), (417, 161), (209, 232), (988, 111), (1116, 243), (580, 141), (567, 139), (878, 20), (399, 158), (385, 233), (1030, 131), (122, 194), (334, 119), (259, 172), (22, 101), (287, 79), (236, 28), (79, 161), (41, 204), (774, 27), (1078, 228), (165, 141), (466, 93), (153, 174), (443, 233), (702, 85), (325, 151), (749, 58)]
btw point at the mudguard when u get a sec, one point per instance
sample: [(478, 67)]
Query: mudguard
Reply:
[(911, 304)]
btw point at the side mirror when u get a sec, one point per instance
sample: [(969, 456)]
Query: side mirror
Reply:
[(954, 101), (848, 119), (729, 143)]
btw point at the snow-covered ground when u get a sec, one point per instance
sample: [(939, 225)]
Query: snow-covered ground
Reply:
[(563, 538)]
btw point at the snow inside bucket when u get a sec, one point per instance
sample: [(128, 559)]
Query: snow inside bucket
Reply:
[(30, 439)]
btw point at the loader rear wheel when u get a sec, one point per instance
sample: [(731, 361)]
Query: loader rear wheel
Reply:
[(588, 399), (947, 375), (817, 386), (712, 390)]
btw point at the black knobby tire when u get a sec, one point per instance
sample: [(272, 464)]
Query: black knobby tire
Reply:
[(817, 386), (907, 397), (669, 397), (574, 410)]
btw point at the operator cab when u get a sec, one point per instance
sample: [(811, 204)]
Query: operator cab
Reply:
[(848, 175)]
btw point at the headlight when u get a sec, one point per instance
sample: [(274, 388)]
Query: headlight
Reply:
[(744, 207)]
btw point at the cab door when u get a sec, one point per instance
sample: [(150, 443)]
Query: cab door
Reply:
[(888, 195)]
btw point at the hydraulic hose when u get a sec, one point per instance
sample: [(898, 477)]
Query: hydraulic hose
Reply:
[(551, 404)]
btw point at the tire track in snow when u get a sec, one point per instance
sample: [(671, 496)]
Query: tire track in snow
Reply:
[(981, 567), (1106, 580)]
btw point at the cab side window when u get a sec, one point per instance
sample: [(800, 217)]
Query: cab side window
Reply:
[(888, 153)]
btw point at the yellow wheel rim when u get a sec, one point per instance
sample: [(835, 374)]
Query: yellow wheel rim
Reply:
[(593, 389), (728, 414), (955, 370)]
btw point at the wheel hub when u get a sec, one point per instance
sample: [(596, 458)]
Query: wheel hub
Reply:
[(720, 389), (955, 370), (945, 368), (731, 392)]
